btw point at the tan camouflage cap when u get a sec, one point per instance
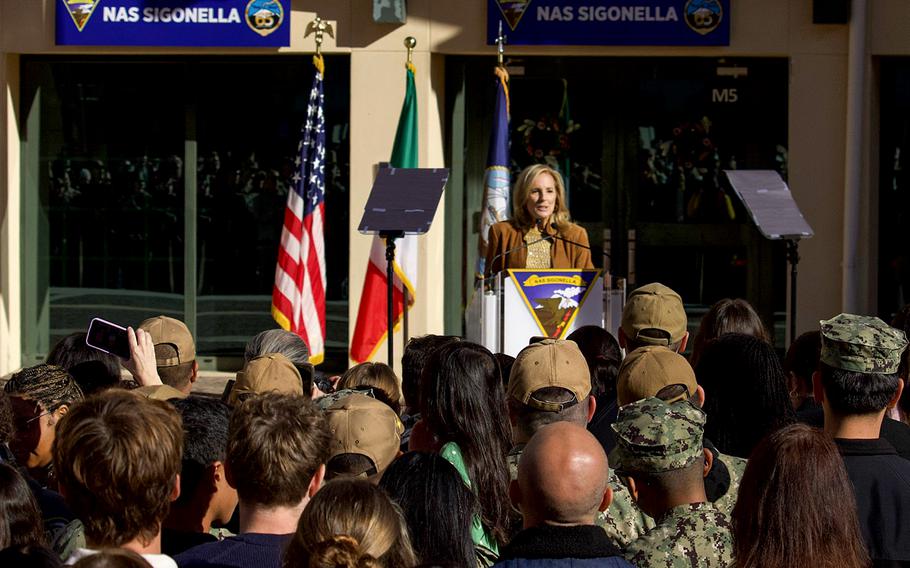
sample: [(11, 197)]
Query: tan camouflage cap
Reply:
[(862, 344), (654, 306), (363, 425), (165, 330), (653, 436), (272, 372), (647, 370), (549, 363)]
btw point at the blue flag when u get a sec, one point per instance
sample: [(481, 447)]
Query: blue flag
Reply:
[(496, 179)]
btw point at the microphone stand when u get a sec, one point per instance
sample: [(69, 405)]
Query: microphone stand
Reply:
[(506, 254), (605, 254), (500, 293)]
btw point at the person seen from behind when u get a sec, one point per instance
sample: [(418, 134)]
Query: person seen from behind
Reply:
[(562, 486), (350, 523), (117, 456), (727, 316), (277, 448), (464, 410), (206, 497), (437, 505), (856, 383), (663, 461), (746, 395), (796, 478)]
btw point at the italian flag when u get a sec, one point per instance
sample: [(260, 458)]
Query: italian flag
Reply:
[(371, 328)]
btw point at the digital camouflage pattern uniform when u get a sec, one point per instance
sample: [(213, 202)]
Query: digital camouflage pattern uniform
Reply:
[(324, 402), (725, 500), (623, 521), (656, 437)]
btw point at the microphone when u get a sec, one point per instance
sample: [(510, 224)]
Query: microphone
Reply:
[(556, 236), (513, 249)]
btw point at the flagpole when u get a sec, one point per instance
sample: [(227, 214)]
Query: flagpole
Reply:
[(410, 43), (298, 294), (370, 331)]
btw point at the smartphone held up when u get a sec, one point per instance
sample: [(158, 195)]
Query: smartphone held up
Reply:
[(108, 337)]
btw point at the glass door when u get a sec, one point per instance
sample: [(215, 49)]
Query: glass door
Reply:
[(641, 142), (158, 186)]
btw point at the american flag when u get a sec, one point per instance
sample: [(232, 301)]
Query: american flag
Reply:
[(298, 298)]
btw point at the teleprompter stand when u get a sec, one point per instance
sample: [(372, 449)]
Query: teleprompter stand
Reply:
[(403, 201), (776, 215)]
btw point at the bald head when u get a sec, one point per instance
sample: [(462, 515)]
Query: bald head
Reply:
[(562, 477)]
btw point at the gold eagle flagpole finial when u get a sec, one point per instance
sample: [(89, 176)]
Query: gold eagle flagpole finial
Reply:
[(319, 27)]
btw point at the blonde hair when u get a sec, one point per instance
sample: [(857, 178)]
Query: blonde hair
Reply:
[(377, 375), (520, 215), (351, 523)]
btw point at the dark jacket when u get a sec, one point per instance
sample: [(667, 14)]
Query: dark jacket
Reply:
[(881, 482), (507, 238), (241, 551), (897, 433), (561, 547)]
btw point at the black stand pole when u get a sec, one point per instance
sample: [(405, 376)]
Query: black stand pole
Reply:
[(793, 259), (402, 200), (390, 290), (502, 311), (405, 300)]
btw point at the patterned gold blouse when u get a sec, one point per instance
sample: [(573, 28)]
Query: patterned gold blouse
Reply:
[(538, 250)]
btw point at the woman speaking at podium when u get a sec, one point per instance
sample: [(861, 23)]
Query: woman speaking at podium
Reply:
[(539, 234)]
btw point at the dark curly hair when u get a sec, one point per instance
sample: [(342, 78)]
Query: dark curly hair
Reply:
[(49, 385), (746, 395), (7, 426)]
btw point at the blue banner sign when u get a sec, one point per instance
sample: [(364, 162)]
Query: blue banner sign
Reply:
[(178, 23), (610, 22), (554, 296)]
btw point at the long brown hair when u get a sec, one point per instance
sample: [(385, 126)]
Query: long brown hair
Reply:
[(520, 215), (350, 522), (727, 316), (463, 401), (795, 505), (20, 518)]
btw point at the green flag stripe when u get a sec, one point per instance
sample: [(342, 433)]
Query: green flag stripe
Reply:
[(404, 150)]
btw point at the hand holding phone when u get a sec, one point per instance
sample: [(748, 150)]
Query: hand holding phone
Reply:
[(142, 362), (135, 348), (108, 337)]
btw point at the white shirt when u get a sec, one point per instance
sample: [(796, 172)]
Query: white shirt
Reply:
[(156, 560)]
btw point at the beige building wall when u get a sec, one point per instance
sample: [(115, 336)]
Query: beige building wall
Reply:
[(769, 28)]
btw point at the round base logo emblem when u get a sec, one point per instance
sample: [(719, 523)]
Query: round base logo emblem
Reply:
[(264, 16), (703, 16)]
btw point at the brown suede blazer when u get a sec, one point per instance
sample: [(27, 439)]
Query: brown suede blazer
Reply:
[(504, 236)]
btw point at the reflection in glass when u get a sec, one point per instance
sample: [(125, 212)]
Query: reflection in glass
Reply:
[(105, 229), (110, 178)]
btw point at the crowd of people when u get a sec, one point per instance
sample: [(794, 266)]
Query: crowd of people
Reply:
[(590, 451)]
